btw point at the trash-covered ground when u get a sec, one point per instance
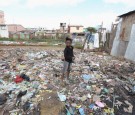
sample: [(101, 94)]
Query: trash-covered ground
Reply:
[(30, 84)]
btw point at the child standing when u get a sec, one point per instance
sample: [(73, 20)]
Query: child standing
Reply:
[(68, 59)]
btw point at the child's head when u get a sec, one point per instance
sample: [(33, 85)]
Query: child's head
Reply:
[(68, 41)]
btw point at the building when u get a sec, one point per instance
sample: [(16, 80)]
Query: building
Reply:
[(15, 28), (125, 38), (45, 34), (4, 31), (3, 26), (37, 29), (2, 20), (75, 29), (42, 32), (50, 32), (62, 27), (25, 34), (61, 31)]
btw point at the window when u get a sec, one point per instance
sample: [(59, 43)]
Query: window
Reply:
[(3, 27), (77, 28)]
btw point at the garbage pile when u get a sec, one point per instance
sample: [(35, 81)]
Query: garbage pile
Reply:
[(99, 84)]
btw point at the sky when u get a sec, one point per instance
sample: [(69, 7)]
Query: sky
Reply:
[(50, 13)]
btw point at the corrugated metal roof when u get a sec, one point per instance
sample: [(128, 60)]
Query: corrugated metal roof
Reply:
[(126, 14)]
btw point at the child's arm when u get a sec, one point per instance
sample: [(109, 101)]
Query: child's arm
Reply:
[(73, 54)]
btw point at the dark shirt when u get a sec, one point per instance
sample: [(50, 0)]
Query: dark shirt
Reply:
[(68, 54)]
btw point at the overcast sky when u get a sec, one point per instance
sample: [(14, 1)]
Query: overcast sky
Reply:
[(49, 13)]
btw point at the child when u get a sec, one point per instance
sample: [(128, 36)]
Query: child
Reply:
[(68, 59)]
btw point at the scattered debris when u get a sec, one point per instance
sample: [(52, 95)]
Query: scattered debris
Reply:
[(99, 84)]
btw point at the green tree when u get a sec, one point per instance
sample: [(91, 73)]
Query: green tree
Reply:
[(92, 29)]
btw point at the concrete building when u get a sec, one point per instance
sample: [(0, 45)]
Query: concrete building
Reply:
[(42, 32), (37, 29), (45, 34), (15, 28), (61, 31), (3, 26), (4, 31), (124, 35), (2, 20), (75, 29)]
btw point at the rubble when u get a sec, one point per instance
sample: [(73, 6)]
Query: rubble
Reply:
[(99, 84)]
